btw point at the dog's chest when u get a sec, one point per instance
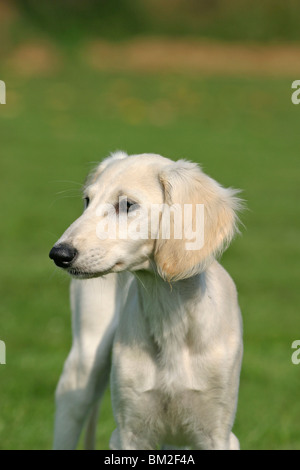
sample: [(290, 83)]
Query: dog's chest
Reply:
[(175, 355)]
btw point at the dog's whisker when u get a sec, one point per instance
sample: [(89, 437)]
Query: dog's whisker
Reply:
[(67, 181), (60, 198), (51, 233), (68, 191), (141, 281)]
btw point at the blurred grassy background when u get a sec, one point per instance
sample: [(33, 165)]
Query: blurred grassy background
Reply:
[(208, 81)]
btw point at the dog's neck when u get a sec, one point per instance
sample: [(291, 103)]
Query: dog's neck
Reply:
[(167, 307)]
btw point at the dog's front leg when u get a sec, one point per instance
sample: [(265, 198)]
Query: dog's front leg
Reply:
[(95, 309)]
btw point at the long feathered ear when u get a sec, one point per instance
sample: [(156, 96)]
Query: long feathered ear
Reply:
[(185, 186)]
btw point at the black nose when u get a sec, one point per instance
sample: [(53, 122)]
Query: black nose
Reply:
[(63, 255)]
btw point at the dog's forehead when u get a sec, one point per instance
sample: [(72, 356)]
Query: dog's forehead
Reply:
[(134, 172), (131, 170)]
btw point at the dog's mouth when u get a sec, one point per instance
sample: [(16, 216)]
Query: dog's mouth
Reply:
[(80, 274)]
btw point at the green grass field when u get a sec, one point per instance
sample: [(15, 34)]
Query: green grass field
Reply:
[(245, 134)]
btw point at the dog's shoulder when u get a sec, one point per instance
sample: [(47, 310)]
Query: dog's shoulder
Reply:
[(217, 277)]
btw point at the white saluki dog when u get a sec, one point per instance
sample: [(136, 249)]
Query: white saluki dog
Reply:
[(177, 349)]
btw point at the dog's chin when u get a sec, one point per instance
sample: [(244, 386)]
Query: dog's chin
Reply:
[(80, 274)]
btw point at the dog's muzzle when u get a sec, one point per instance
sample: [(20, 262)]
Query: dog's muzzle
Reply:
[(63, 255)]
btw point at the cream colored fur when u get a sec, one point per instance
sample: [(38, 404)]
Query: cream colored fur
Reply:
[(178, 342)]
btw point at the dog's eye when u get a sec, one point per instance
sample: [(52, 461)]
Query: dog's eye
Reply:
[(86, 202), (124, 206), (129, 205)]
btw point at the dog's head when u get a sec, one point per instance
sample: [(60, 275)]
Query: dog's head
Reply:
[(148, 212)]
